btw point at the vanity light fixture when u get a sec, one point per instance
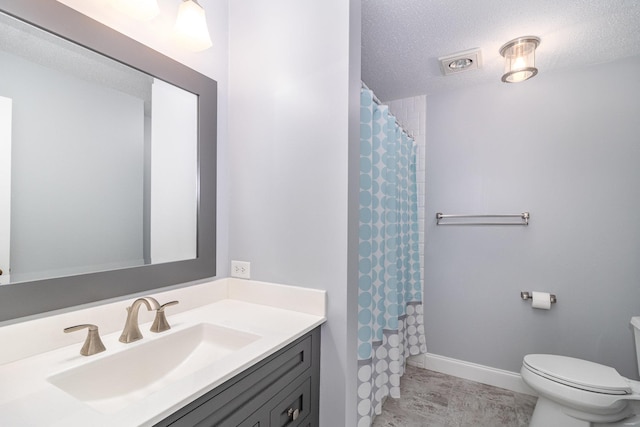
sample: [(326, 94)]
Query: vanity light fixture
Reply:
[(519, 59), (142, 10), (191, 26)]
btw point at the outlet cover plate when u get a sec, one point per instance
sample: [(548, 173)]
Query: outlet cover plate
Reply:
[(241, 269)]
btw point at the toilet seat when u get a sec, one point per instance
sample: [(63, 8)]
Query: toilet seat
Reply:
[(578, 373)]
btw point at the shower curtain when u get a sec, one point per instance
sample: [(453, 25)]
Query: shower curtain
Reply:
[(390, 321)]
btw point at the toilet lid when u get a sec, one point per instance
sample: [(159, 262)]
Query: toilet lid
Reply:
[(578, 373)]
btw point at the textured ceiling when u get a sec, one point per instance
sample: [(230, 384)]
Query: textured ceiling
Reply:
[(402, 39)]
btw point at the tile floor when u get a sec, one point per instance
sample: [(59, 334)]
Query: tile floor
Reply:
[(433, 399)]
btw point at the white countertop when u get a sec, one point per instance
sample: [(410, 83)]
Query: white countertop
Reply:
[(278, 314)]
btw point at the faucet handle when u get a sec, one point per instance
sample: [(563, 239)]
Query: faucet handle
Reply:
[(93, 344), (160, 323)]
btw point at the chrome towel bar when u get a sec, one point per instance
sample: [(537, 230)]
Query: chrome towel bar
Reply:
[(462, 219)]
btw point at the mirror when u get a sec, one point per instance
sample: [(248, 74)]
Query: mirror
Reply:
[(93, 186), (110, 187)]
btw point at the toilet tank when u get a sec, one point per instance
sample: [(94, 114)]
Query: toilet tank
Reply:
[(635, 322)]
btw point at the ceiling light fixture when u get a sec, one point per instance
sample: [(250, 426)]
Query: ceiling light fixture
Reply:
[(191, 26), (519, 59), (461, 61)]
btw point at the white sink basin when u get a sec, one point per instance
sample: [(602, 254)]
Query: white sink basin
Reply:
[(114, 381)]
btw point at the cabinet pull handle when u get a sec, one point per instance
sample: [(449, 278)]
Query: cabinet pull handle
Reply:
[(293, 414)]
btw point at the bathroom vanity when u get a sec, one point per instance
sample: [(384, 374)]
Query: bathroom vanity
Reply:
[(239, 353)]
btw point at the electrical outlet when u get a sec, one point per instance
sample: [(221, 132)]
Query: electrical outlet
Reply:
[(241, 269)]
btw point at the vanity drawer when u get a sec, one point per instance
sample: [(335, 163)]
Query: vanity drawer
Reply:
[(251, 398)]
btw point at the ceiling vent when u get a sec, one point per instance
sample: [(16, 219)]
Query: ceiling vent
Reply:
[(461, 61)]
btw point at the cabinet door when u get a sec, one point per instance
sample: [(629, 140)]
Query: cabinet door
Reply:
[(259, 419), (293, 409), (289, 407)]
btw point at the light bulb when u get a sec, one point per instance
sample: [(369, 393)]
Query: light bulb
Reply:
[(519, 63)]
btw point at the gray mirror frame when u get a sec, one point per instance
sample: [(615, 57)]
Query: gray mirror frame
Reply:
[(35, 297)]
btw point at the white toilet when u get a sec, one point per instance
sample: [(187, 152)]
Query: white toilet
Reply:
[(578, 393)]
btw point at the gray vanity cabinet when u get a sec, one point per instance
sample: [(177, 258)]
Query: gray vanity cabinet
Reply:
[(282, 390)]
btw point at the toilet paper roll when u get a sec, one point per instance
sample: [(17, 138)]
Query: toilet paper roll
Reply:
[(541, 300)]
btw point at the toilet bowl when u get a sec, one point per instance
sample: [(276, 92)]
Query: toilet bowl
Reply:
[(578, 393)]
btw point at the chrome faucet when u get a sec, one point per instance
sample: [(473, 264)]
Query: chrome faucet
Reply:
[(131, 331)]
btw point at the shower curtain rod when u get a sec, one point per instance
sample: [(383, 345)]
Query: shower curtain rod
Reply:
[(375, 98), (377, 101)]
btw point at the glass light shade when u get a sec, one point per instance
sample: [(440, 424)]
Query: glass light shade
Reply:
[(142, 10), (519, 59), (191, 26)]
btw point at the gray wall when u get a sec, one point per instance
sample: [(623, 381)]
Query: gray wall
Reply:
[(565, 147), (77, 173), (294, 86)]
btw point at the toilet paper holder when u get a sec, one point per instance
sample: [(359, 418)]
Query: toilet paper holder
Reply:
[(529, 295)]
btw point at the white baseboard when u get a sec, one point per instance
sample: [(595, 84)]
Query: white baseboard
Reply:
[(472, 371)]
